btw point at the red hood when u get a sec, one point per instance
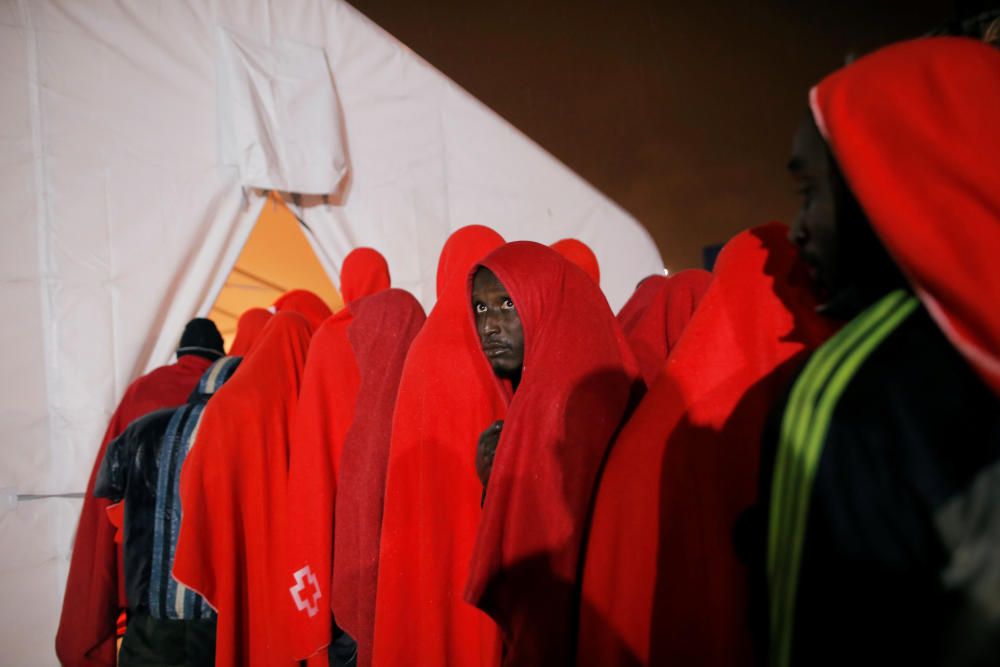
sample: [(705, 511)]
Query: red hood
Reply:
[(580, 254), (305, 303), (250, 324), (364, 273), (914, 128), (657, 313)]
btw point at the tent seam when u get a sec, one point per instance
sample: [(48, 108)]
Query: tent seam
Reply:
[(112, 289), (43, 214)]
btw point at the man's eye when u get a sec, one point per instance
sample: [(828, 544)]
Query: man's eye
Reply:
[(508, 304), (480, 308)]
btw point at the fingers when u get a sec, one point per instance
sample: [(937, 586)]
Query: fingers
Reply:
[(492, 431)]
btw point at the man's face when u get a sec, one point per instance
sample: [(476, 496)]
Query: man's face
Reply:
[(498, 324), (815, 230)]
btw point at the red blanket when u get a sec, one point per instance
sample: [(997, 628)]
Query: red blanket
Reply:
[(578, 381), (306, 304), (447, 396), (937, 210), (580, 254), (94, 590), (657, 313), (364, 272), (322, 418), (382, 329), (662, 583), (248, 329), (233, 495)]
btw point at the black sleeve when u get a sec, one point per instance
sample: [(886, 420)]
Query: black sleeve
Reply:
[(113, 473), (969, 527)]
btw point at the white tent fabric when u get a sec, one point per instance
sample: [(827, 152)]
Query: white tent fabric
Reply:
[(279, 120), (125, 206)]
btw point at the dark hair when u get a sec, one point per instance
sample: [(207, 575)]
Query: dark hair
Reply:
[(873, 272), (985, 27), (201, 337)]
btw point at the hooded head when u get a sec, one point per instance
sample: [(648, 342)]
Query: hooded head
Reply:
[(498, 325), (364, 273), (849, 266), (461, 251), (306, 304), (202, 338), (912, 129), (250, 324), (524, 291), (657, 313), (580, 254)]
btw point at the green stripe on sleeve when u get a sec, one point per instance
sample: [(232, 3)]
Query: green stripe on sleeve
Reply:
[(803, 433)]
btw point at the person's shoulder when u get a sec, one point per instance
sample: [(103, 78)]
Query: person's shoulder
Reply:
[(150, 422), (914, 399), (141, 384), (166, 369), (917, 366)]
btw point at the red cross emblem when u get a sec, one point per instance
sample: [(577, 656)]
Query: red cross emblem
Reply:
[(309, 603)]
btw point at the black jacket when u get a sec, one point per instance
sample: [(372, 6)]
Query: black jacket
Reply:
[(142, 467), (129, 472), (902, 545)]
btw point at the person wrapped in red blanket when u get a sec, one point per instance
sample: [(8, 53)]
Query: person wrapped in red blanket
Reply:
[(323, 416), (662, 582), (382, 329), (431, 512), (230, 549), (95, 594), (550, 336), (880, 485)]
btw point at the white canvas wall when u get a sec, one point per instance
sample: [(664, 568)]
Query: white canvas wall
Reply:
[(121, 217)]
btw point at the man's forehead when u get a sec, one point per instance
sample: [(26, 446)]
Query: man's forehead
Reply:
[(486, 281), (807, 148)]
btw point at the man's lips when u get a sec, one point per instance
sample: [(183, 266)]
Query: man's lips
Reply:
[(814, 269), (495, 349), (812, 263)]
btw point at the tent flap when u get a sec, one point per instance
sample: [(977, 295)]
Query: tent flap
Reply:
[(279, 118)]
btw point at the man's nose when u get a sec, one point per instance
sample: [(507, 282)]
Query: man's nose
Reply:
[(491, 324), (797, 233)]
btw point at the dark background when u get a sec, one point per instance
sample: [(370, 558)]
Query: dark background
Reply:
[(681, 112)]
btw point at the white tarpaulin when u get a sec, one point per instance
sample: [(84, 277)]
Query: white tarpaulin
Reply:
[(124, 207), (279, 121)]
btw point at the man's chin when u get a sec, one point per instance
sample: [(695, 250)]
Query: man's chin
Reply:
[(840, 304), (505, 370), (502, 370), (822, 293)]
